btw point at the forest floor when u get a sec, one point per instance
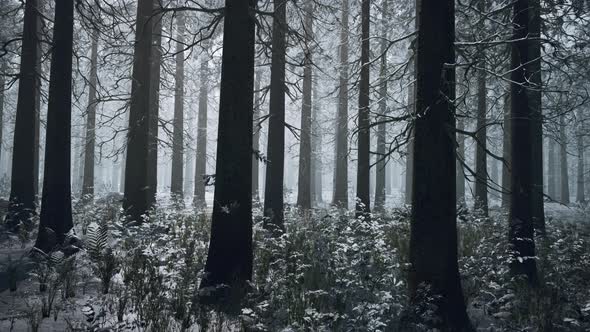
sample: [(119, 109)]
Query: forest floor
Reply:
[(331, 273)]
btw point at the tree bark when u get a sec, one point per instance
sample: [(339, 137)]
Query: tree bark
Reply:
[(39, 84), (433, 231), (3, 71), (176, 181), (201, 153), (506, 139), (481, 160), (363, 197), (304, 176), (56, 206), (381, 165), (154, 105), (410, 144), (229, 261), (22, 189), (88, 178), (273, 193), (521, 232), (535, 97), (563, 164), (137, 201), (340, 197)]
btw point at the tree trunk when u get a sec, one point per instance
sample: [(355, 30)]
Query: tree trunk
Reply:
[(78, 162), (88, 182), (580, 190), (535, 99), (433, 239), (189, 169), (460, 176), (22, 188), (363, 197), (380, 171), (39, 84), (201, 153), (56, 205), (563, 164), (304, 176), (3, 71), (273, 193), (229, 261), (316, 140), (176, 181), (154, 106), (481, 160), (78, 171), (137, 201), (340, 197), (506, 139), (521, 233), (410, 144), (256, 138)]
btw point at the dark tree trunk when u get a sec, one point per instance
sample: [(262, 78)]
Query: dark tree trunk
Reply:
[(381, 165), (433, 239), (154, 106), (229, 261), (363, 197), (340, 197), (410, 145), (460, 177), (481, 158), (506, 150), (304, 176), (521, 232), (41, 24), (535, 103), (88, 182), (273, 192), (56, 205), (176, 181), (256, 138), (137, 201), (2, 94), (563, 164), (580, 190), (201, 153), (22, 188)]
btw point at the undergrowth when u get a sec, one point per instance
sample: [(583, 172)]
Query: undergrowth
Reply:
[(329, 272)]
